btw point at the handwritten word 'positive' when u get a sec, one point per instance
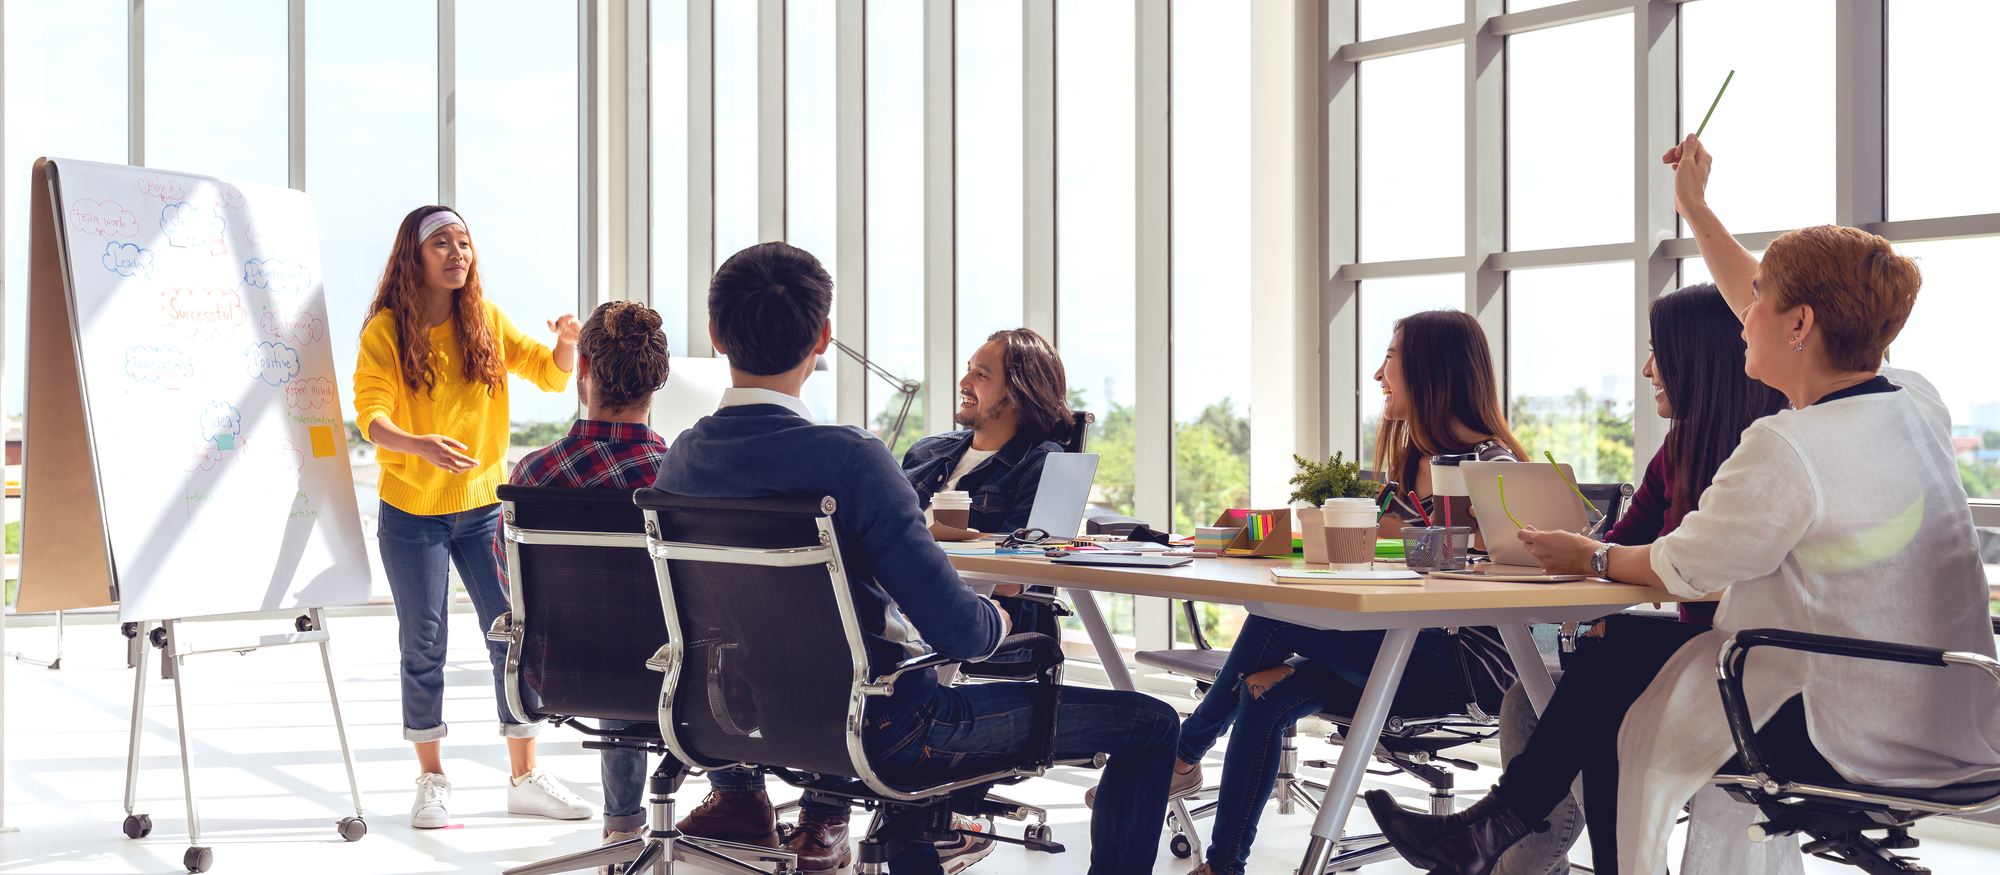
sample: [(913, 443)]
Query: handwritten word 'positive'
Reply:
[(103, 218), (203, 312)]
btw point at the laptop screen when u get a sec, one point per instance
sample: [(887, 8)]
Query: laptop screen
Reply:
[(1064, 490)]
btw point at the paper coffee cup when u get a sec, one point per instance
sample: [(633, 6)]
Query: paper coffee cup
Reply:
[(952, 509), (1350, 532)]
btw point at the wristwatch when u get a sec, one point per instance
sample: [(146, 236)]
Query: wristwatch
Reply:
[(1600, 560)]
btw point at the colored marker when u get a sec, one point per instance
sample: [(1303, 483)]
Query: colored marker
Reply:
[(1711, 105)]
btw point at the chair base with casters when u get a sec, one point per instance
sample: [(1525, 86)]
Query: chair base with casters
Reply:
[(1838, 816)]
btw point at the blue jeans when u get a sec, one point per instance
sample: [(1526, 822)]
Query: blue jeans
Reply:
[(747, 780), (1331, 681), (415, 550), (966, 726), (624, 774)]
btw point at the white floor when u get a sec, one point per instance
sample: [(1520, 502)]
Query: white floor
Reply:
[(268, 771)]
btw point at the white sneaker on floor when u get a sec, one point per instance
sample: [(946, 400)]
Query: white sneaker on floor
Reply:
[(538, 793), (955, 858), (433, 797), (612, 837)]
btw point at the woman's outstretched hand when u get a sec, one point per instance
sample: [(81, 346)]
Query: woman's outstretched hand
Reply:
[(1559, 552), (441, 451), (566, 328), (1691, 161)]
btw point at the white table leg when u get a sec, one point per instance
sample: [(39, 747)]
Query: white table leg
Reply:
[(1100, 638), (1359, 747), (1534, 673)]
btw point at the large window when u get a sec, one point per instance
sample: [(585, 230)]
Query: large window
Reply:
[(1569, 169), (1413, 155), (1770, 134), (811, 209), (1571, 367), (215, 88), (990, 155), (896, 213), (1942, 82)]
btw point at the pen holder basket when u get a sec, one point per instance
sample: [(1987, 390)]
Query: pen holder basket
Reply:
[(1436, 548)]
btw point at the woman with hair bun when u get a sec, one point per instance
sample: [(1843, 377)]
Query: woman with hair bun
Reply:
[(430, 392), (621, 360)]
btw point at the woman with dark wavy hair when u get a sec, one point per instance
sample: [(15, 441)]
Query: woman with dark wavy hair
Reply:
[(430, 392)]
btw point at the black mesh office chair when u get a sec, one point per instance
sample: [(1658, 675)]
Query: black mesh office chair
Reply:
[(1080, 421), (1609, 499), (1838, 815), (1411, 745), (585, 618), (766, 669)]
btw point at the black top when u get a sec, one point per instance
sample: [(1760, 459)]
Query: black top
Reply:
[(1870, 387)]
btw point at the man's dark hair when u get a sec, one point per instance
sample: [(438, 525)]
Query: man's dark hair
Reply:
[(1035, 383), (767, 304)]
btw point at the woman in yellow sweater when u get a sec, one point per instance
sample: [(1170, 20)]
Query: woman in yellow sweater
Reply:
[(430, 391)]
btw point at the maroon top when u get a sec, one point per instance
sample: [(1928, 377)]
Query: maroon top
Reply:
[(1650, 515)]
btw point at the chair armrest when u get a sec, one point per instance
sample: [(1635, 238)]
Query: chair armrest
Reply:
[(1736, 651), (502, 629), (1046, 653)]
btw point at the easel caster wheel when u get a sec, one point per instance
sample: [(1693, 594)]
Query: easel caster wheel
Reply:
[(352, 828), (138, 826), (304, 623), (1181, 847), (198, 859), (158, 636)]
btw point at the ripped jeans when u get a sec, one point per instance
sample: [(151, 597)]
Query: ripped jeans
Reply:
[(1331, 680)]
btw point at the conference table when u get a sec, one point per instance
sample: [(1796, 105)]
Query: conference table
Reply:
[(1399, 611)]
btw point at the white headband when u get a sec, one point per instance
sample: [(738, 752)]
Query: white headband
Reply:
[(437, 220)]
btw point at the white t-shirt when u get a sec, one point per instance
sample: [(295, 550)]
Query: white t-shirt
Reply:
[(966, 463)]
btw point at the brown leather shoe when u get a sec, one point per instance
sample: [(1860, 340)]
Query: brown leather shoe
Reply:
[(1468, 842), (821, 843), (741, 816)]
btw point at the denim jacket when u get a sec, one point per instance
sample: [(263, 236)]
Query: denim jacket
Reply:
[(1002, 487)]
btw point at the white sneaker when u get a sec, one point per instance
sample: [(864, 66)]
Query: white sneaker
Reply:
[(958, 856), (433, 796), (612, 837), (538, 793)]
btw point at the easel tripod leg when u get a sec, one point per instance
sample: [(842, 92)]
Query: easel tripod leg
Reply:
[(173, 655), (351, 829), (136, 825)]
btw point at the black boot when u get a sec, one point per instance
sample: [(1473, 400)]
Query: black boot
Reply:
[(1466, 843)]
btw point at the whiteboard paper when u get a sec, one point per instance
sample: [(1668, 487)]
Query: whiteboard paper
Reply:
[(214, 414)]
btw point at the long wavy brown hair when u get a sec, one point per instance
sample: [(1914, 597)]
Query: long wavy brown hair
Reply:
[(1449, 376), (401, 292)]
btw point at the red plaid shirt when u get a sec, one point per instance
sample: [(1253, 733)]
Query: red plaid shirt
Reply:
[(594, 455)]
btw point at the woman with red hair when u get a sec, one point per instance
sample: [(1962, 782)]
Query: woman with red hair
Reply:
[(430, 392)]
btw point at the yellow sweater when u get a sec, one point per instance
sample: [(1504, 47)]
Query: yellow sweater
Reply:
[(457, 409)]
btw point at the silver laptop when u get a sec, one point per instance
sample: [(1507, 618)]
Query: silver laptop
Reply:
[(1063, 493), (1535, 495)]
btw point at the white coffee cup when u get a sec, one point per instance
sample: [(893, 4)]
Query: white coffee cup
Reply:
[(952, 509), (1350, 531)]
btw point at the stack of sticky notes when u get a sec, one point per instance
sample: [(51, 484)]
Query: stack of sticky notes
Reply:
[(1214, 539)]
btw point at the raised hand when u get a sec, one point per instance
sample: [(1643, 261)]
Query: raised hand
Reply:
[(1690, 161)]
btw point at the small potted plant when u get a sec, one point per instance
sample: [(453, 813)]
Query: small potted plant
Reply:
[(1315, 483)]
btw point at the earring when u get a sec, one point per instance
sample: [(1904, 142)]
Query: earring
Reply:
[(1796, 345)]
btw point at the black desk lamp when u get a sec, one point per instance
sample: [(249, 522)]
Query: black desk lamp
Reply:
[(909, 388)]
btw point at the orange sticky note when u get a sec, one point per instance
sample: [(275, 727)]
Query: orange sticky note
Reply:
[(322, 438)]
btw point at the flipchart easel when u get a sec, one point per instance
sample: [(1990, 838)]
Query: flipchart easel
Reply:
[(70, 545)]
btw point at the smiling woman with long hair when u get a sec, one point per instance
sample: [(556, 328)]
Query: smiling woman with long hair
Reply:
[(1440, 396), (430, 391)]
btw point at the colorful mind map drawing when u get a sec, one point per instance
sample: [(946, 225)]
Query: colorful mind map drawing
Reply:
[(221, 425), (166, 188), (103, 218), (189, 226), (301, 327), (203, 312), (287, 281), (166, 365), (274, 363), (266, 232), (128, 259), (311, 393)]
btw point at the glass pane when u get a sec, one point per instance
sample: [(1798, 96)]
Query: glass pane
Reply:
[(1773, 168), (1095, 204), (1380, 18), (735, 127), (517, 180), (668, 96), (1959, 292), (810, 178), (65, 98), (1413, 155), (896, 210), (1570, 363), (1569, 135), (215, 88), (1942, 81), (1382, 303), (1211, 250), (1525, 5), (990, 178)]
